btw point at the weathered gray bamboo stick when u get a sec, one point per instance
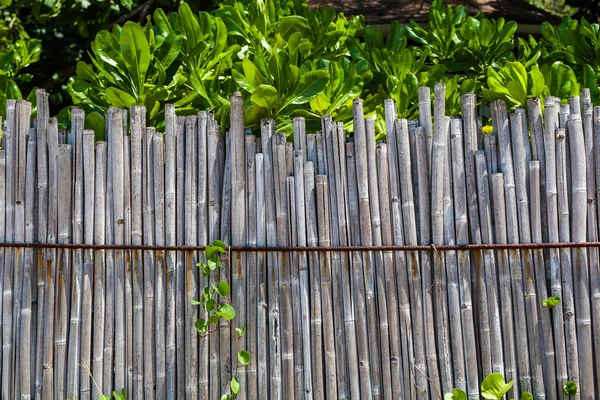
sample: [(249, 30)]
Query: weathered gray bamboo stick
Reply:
[(301, 227), (311, 148), (432, 371), (99, 259), (412, 136), (50, 261), (552, 217), (401, 284), (215, 168), (3, 235), (592, 219), (238, 220), (23, 114), (491, 284), (41, 125), (322, 355), (425, 121), (321, 207), (261, 240), (415, 384), (180, 260), (116, 146), (275, 362), (594, 269), (63, 269), (137, 124), (89, 177), (254, 336), (504, 279), (191, 283), (452, 266), (390, 383), (202, 207), (358, 280), (294, 287), (281, 210), (225, 334), (345, 334), (564, 235), (321, 153), (581, 271), (9, 139), (439, 166), (26, 345), (500, 115), (545, 332), (464, 268), (159, 239), (519, 147), (366, 238)]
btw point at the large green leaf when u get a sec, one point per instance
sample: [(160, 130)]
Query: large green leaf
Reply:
[(265, 96), (494, 386), (191, 28), (311, 84), (136, 53), (119, 98)]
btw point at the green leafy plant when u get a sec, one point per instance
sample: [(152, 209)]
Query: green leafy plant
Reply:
[(570, 388), (457, 394), (122, 395), (495, 387), (514, 84), (550, 302), (219, 311)]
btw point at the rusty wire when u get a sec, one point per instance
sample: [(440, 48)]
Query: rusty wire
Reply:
[(285, 249)]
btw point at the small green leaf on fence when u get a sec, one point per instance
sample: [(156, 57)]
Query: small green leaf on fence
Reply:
[(494, 386), (244, 357), (570, 388), (226, 311), (550, 302), (526, 396), (210, 305), (457, 394), (223, 289), (201, 325), (241, 331), (235, 386)]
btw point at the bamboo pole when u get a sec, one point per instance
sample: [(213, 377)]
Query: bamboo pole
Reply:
[(301, 226), (390, 366), (564, 235), (254, 335), (23, 114), (321, 207), (423, 184), (137, 123), (594, 269), (366, 238), (311, 148), (225, 334), (160, 279), (519, 147), (215, 162), (262, 316), (41, 124), (545, 332), (500, 115), (491, 285), (504, 279), (322, 354), (438, 167), (63, 269), (552, 208), (26, 345), (358, 280), (88, 262), (406, 284), (3, 234), (270, 236), (415, 383), (592, 219), (99, 260), (452, 266), (580, 260), (8, 143), (462, 237), (425, 121), (191, 282), (180, 261)]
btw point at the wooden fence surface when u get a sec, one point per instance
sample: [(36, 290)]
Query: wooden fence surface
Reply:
[(334, 325)]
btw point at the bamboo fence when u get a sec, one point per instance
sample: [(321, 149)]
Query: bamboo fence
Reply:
[(369, 324)]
